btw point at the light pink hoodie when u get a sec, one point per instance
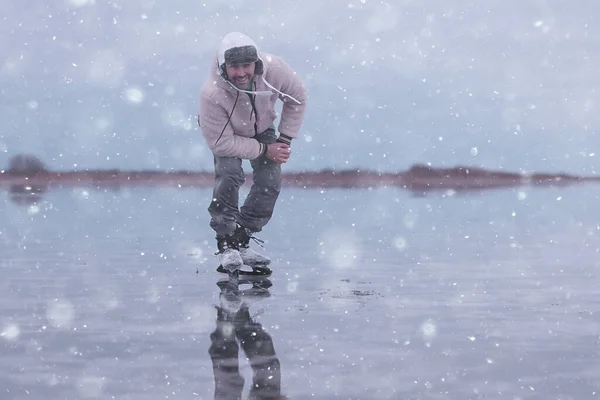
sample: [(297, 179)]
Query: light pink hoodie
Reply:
[(226, 117)]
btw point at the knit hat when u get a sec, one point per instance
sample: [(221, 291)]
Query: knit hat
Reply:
[(240, 55), (237, 48)]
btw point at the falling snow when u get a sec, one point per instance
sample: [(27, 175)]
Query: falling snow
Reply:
[(109, 290)]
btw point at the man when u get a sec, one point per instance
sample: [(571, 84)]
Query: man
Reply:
[(237, 114)]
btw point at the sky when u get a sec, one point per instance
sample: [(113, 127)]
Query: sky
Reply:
[(498, 84)]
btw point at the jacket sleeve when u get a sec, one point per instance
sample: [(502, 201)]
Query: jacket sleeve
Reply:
[(286, 80), (216, 128)]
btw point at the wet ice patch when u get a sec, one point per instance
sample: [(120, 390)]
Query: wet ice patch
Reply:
[(195, 252), (346, 295), (10, 332), (188, 248), (60, 313), (338, 300)]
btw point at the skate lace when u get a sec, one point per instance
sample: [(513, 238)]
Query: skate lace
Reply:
[(258, 241), (225, 248), (228, 245)]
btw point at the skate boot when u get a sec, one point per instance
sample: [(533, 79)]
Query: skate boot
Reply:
[(249, 256), (229, 254)]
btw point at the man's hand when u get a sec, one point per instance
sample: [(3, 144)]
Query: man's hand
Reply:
[(278, 152)]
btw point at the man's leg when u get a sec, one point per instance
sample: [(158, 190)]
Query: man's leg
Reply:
[(260, 202), (266, 185), (223, 209)]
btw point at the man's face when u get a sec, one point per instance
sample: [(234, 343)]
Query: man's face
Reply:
[(240, 74)]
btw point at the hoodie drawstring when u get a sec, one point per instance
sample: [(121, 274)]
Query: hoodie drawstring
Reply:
[(281, 93), (228, 119), (263, 92)]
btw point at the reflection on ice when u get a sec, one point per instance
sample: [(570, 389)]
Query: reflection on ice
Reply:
[(235, 329), (123, 300)]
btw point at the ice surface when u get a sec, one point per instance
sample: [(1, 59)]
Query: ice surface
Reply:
[(402, 297)]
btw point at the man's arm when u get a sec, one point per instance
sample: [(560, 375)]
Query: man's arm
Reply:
[(281, 75), (218, 133)]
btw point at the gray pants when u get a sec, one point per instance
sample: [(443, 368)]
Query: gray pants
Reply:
[(257, 210)]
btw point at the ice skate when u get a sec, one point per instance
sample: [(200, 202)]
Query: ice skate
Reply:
[(252, 258), (243, 256), (249, 256), (229, 255)]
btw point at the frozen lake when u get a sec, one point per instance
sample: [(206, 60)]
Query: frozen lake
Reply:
[(376, 294)]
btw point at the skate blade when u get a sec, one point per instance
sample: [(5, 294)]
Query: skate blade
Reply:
[(259, 271)]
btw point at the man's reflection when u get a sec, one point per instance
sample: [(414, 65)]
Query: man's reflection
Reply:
[(235, 324)]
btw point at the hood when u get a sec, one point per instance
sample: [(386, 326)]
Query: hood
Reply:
[(237, 40), (232, 41)]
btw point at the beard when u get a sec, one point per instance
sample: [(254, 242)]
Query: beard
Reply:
[(242, 82)]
